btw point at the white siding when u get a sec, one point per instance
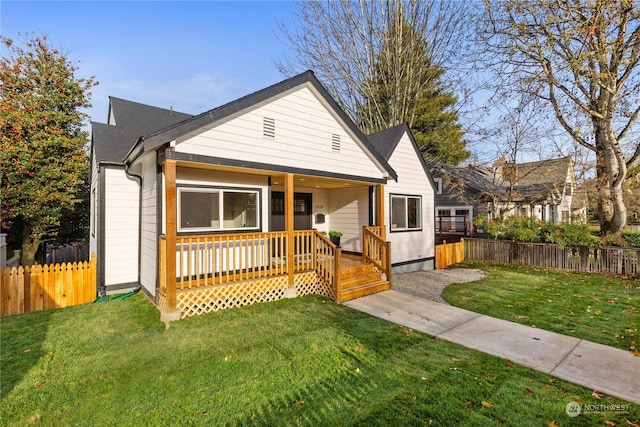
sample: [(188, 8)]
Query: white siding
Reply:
[(94, 226), (121, 227), (349, 209), (149, 232), (319, 205), (412, 180), (304, 129)]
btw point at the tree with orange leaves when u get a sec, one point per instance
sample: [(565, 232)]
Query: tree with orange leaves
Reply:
[(43, 160)]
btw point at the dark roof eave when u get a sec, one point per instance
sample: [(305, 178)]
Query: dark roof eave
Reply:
[(135, 152)]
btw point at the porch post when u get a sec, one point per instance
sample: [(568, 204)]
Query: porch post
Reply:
[(380, 210), (169, 167), (288, 220)]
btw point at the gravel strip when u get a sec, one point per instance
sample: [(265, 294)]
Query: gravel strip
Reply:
[(428, 284)]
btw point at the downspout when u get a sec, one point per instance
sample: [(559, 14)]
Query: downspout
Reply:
[(138, 178)]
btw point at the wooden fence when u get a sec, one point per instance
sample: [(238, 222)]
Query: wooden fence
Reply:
[(70, 253), (449, 253), (44, 287), (609, 260)]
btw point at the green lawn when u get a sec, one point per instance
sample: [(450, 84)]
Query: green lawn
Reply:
[(304, 361), (594, 307)]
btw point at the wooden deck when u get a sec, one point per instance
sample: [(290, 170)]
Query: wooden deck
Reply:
[(358, 279), (213, 272)]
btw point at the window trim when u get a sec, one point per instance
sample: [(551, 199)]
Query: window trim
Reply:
[(406, 197), (220, 190)]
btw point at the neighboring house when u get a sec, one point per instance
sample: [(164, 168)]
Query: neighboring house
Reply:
[(461, 195), (545, 190), (226, 208)]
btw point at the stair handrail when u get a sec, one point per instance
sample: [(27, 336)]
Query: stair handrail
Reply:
[(376, 250), (327, 262)]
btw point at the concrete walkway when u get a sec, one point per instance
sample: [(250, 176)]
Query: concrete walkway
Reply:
[(594, 366)]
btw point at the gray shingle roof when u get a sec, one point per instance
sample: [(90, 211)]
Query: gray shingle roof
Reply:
[(579, 199), (387, 140), (475, 178), (530, 182), (536, 180), (132, 121)]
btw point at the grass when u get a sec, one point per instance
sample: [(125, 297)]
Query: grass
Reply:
[(593, 307), (304, 361)]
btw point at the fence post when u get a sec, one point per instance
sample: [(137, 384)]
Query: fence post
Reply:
[(3, 251), (337, 273)]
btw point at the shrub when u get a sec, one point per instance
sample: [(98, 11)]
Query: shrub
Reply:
[(632, 238), (523, 229), (571, 235)]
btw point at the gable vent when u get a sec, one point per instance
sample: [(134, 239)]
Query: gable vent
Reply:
[(269, 128), (335, 143)]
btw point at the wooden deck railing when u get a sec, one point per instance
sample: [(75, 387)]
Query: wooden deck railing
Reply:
[(222, 258), (375, 250), (303, 249), (206, 260), (327, 261), (215, 259)]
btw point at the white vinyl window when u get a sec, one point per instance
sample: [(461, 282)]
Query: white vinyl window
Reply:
[(406, 213), (217, 209)]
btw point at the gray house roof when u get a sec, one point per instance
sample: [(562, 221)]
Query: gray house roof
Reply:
[(387, 140), (133, 120), (538, 180), (522, 182), (470, 176)]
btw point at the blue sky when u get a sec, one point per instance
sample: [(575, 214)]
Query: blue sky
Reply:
[(192, 56)]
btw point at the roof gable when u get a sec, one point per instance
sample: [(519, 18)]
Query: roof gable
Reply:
[(224, 112), (387, 141)]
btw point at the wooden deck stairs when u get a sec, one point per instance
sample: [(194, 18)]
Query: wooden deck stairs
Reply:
[(358, 279)]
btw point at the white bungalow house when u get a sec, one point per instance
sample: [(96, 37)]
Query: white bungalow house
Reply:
[(229, 207)]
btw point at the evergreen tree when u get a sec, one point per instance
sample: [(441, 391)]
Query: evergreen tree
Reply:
[(406, 86)]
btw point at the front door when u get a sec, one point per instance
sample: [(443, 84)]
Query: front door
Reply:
[(301, 211)]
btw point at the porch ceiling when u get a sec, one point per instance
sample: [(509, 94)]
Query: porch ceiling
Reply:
[(278, 178)]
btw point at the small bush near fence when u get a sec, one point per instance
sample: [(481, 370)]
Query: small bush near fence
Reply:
[(44, 287), (608, 260), (525, 229)]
